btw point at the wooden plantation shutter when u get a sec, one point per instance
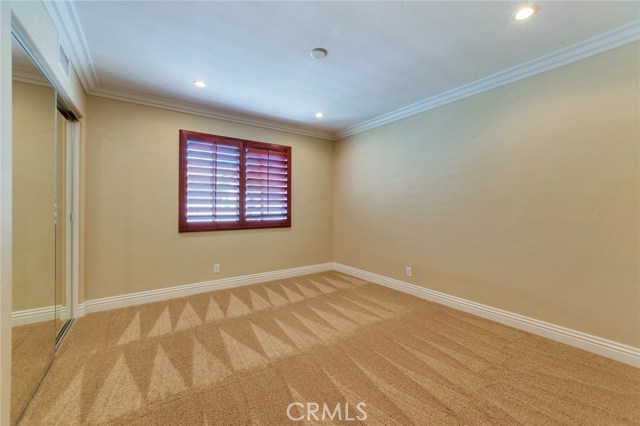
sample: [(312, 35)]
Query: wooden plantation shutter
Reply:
[(228, 183), (267, 187)]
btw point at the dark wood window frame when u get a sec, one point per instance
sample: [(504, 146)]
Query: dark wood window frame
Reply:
[(245, 148)]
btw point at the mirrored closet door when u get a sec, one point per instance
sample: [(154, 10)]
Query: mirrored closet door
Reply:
[(41, 229), (63, 208)]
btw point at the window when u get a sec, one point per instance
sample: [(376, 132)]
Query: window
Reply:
[(228, 183)]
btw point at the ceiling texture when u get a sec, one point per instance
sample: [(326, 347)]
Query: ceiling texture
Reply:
[(386, 60)]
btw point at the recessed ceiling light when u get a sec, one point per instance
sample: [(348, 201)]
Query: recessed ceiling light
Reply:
[(318, 53), (525, 13), (319, 115), (200, 83)]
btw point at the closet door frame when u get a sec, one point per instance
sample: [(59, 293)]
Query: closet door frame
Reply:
[(72, 229)]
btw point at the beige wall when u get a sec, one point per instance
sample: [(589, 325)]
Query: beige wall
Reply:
[(131, 205), (523, 198), (34, 136)]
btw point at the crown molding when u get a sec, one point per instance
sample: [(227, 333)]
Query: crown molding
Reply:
[(188, 108), (576, 52), (65, 19), (29, 77)]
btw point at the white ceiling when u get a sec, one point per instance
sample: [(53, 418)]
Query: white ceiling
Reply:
[(383, 56)]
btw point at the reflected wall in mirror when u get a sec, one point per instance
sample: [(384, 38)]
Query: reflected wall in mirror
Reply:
[(63, 226), (34, 232)]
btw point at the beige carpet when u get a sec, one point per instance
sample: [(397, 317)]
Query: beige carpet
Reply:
[(242, 356), (32, 350)]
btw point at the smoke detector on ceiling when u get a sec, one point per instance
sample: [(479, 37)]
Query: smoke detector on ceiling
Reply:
[(319, 53)]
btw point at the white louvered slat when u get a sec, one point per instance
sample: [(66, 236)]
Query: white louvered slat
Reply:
[(267, 185), (213, 182)]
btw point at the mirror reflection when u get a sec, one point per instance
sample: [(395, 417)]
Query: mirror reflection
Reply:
[(34, 231), (63, 224)]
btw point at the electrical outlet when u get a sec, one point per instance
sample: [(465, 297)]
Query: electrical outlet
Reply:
[(216, 268), (407, 271)]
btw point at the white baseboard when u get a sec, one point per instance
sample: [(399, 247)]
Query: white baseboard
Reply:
[(107, 303), (608, 348), (31, 316)]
